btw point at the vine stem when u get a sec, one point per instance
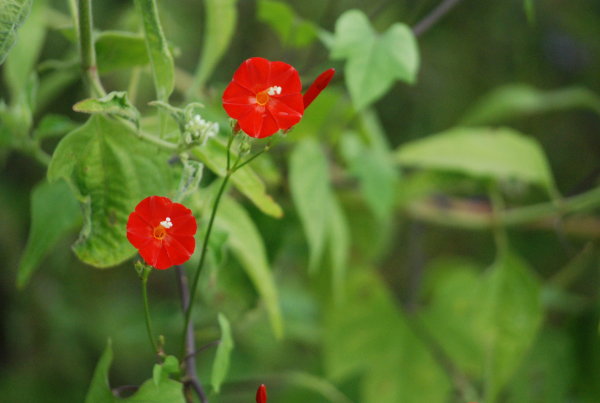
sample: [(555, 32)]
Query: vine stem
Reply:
[(444, 7), (86, 48), (144, 276), (188, 312)]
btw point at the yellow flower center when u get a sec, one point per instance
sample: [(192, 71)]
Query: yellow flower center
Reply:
[(262, 98), (159, 232)]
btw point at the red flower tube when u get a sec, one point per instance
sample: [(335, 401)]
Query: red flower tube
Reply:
[(317, 86), (261, 394), (162, 231), (264, 97)]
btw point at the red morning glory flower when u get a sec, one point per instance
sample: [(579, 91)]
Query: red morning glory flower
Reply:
[(162, 231), (261, 394), (264, 97), (317, 86)]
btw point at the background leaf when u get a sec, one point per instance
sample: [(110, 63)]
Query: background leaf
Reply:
[(309, 187), (54, 213), (366, 336), (247, 245), (520, 100), (14, 13), (480, 152), (486, 323), (116, 50), (111, 171), (374, 61), (157, 48), (223, 356), (213, 155), (292, 31), (220, 24)]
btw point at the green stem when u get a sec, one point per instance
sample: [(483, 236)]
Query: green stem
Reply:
[(472, 219), (264, 150), (145, 276), (167, 145), (86, 48), (188, 313)]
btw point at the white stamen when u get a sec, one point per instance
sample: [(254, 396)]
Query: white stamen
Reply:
[(274, 90), (167, 223)]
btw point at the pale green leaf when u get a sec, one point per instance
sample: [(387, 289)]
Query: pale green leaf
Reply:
[(54, 213), (14, 13), (247, 245), (214, 155), (220, 23), (158, 49), (480, 152), (292, 30), (521, 100), (352, 30), (114, 103), (99, 390), (309, 187), (368, 338), (24, 54), (117, 50), (374, 62), (111, 171), (485, 323), (223, 356)]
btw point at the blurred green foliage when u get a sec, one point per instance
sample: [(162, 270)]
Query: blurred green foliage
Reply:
[(428, 232)]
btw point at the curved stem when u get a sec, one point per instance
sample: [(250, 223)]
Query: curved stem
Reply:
[(86, 48), (145, 275)]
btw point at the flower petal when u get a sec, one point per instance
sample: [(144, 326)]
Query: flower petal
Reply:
[(253, 74)]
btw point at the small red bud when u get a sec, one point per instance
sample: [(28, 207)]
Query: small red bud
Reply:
[(317, 86), (261, 394)]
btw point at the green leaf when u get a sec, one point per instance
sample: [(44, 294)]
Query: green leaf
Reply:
[(99, 391), (111, 170), (369, 338), (486, 323), (221, 19), (213, 155), (521, 100), (157, 49), (14, 13), (376, 174), (374, 62), (114, 103), (339, 246), (167, 391), (247, 245), (164, 391), (54, 213), (222, 358), (24, 54), (116, 50), (480, 152), (53, 126), (292, 31), (309, 187)]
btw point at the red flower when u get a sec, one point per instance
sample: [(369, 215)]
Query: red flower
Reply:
[(317, 86), (261, 394), (162, 231), (264, 97)]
